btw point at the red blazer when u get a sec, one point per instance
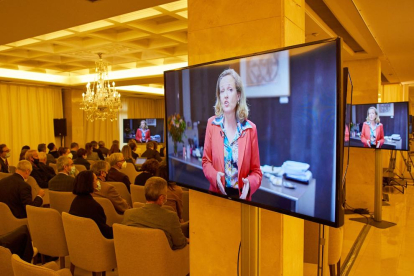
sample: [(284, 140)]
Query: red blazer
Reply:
[(366, 135), (248, 163), (138, 135)]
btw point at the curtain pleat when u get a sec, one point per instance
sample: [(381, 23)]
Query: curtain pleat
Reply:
[(27, 115)]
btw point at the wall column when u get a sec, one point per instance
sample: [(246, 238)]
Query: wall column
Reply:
[(74, 117), (218, 30)]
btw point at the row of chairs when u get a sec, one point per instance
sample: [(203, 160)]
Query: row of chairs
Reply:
[(134, 251)]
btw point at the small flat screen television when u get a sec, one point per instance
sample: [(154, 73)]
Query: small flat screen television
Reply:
[(380, 125), (154, 129), (265, 129)]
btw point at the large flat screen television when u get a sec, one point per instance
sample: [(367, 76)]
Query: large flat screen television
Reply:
[(262, 129), (144, 129), (380, 126)]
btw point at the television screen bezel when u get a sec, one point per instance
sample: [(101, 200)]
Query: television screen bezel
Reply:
[(408, 126), (340, 125)]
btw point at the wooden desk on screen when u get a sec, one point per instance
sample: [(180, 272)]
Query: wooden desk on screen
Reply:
[(299, 200), (356, 142)]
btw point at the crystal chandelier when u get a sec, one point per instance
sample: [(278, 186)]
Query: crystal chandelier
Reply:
[(101, 101)]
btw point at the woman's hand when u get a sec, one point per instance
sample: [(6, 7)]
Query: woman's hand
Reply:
[(246, 188), (369, 143), (378, 145), (219, 184)]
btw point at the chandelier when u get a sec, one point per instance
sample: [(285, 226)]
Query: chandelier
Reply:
[(101, 101)]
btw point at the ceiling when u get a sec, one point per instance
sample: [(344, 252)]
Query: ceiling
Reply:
[(57, 41)]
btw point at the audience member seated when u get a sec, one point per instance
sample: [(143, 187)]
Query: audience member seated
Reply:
[(90, 155), (19, 242), (174, 192), (43, 162), (40, 171), (81, 160), (100, 169), (151, 152), (149, 169), (85, 206), (117, 162), (96, 149), (74, 149), (16, 193), (133, 147), (63, 182), (126, 151), (114, 149), (53, 150), (23, 152), (102, 148), (65, 151), (162, 152), (153, 216), (4, 155)]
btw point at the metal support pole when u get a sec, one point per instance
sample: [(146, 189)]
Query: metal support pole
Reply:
[(249, 240), (378, 187)]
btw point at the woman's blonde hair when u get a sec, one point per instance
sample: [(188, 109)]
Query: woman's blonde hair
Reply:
[(242, 110), (377, 118), (146, 125)]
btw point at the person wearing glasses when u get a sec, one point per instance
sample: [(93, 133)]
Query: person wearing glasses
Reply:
[(231, 161), (4, 154), (117, 162)]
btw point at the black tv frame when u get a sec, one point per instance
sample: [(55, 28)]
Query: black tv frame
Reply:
[(407, 136), (340, 131)]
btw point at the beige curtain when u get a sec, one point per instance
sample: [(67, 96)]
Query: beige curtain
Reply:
[(27, 114), (106, 131), (140, 108)]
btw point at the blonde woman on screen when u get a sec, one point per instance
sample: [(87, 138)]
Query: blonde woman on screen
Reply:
[(372, 134), (231, 161)]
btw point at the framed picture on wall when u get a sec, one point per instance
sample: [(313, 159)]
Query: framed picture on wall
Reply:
[(386, 109)]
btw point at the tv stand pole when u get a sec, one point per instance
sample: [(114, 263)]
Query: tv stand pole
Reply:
[(378, 186), (249, 240)]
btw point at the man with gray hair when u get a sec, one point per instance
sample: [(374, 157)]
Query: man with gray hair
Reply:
[(152, 215), (117, 162), (16, 193), (63, 181)]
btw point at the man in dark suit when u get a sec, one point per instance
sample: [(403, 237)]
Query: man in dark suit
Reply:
[(97, 150), (74, 147), (102, 148), (16, 193), (151, 153), (39, 172), (63, 182), (117, 162), (152, 215), (4, 154), (81, 160)]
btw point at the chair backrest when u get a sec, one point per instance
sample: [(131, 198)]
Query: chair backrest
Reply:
[(137, 205), (6, 268), (33, 184), (151, 248), (22, 268), (80, 168), (111, 215), (130, 172), (54, 167), (4, 175), (122, 190), (12, 169), (186, 206), (46, 230), (61, 201), (91, 162), (88, 249), (336, 238), (137, 193), (8, 222)]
